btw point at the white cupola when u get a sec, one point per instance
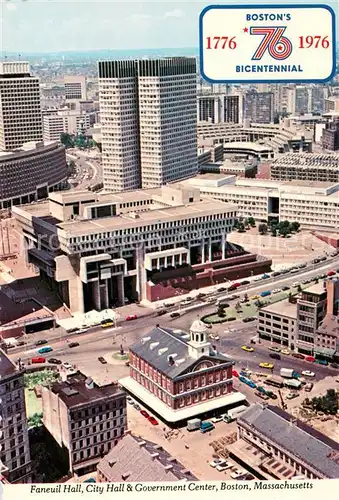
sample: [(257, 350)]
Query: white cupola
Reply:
[(198, 345)]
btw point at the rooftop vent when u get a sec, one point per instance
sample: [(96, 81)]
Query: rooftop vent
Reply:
[(145, 339), (177, 331), (112, 462), (186, 336), (153, 345), (168, 467), (180, 361), (172, 460), (68, 391), (162, 350), (154, 455), (124, 477), (89, 383), (141, 443), (158, 447)]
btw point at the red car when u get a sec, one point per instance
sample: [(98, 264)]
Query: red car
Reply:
[(235, 373), (331, 273), (144, 413), (153, 420), (311, 359), (297, 355), (131, 317), (38, 360), (236, 285)]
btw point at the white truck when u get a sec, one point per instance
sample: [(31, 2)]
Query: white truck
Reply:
[(288, 373), (193, 424), (234, 413)]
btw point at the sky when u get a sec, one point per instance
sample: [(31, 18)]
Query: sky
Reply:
[(57, 26)]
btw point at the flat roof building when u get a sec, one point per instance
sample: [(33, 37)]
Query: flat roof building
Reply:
[(14, 443), (313, 204), (85, 418), (314, 167), (119, 242), (148, 114), (20, 106)]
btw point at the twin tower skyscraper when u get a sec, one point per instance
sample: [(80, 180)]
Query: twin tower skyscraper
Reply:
[(148, 115)]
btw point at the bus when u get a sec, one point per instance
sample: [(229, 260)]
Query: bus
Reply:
[(275, 382)]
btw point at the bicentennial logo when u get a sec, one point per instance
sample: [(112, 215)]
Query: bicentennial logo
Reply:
[(278, 46), (267, 43)]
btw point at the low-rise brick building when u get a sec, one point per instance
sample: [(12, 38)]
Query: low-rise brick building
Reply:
[(180, 375)]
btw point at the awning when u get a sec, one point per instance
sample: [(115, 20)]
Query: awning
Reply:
[(324, 351)]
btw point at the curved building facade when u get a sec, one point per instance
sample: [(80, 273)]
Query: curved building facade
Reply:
[(31, 172)]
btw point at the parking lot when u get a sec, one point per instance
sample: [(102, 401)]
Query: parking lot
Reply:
[(192, 449)]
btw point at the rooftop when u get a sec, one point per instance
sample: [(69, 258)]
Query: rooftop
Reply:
[(254, 146), (330, 325), (283, 308), (299, 439), (167, 350), (134, 459), (79, 390), (317, 289), (7, 367)]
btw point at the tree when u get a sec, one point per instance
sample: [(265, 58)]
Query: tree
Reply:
[(262, 229), (284, 231), (299, 289), (295, 226), (67, 140), (246, 297), (221, 311), (251, 221), (236, 223), (241, 227), (274, 231)]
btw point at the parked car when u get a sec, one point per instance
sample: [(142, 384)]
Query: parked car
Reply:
[(224, 466), (67, 365), (261, 395), (308, 373), (237, 473), (292, 395), (131, 317), (136, 406), (73, 344), (82, 330), (102, 360), (45, 350), (216, 461), (275, 355), (334, 365), (268, 366), (41, 342), (174, 314), (285, 288), (107, 324), (321, 362), (298, 355), (276, 290), (144, 413), (153, 420), (54, 361), (246, 348), (235, 373), (161, 312), (308, 387), (249, 319), (246, 282), (275, 349), (286, 352), (38, 360), (215, 420), (310, 359)]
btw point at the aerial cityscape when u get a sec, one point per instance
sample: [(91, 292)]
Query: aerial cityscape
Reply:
[(169, 262)]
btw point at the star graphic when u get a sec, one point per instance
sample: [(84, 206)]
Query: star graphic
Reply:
[(279, 47), (245, 30)]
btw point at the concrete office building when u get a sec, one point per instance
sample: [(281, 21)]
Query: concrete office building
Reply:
[(276, 138), (313, 204), (148, 121), (314, 167), (302, 100), (106, 246), (180, 375), (75, 87), (278, 446), (14, 444), (86, 419), (219, 108), (31, 172), (330, 136), (65, 122), (309, 325), (259, 106), (20, 106)]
